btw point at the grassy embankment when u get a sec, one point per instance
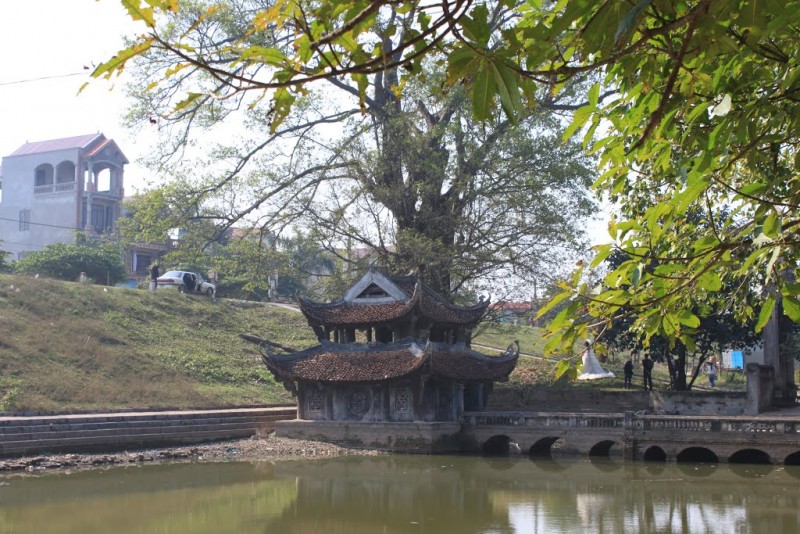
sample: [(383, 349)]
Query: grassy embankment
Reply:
[(68, 346)]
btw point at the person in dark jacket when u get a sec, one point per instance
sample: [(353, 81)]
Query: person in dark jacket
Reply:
[(627, 370), (154, 276), (647, 372)]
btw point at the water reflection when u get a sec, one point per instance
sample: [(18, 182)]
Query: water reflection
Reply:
[(398, 494)]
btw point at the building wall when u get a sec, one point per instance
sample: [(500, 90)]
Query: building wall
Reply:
[(388, 402), (76, 192), (58, 209)]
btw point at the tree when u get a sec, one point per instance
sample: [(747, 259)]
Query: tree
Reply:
[(412, 177), (704, 112), (4, 266), (102, 262), (715, 332)]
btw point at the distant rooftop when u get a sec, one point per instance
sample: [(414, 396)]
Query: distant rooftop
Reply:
[(52, 145)]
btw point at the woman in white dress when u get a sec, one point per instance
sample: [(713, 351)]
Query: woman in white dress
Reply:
[(592, 370)]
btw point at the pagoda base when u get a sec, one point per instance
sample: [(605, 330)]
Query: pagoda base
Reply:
[(413, 437)]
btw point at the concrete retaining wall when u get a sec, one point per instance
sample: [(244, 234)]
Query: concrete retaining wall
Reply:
[(122, 431), (598, 401)]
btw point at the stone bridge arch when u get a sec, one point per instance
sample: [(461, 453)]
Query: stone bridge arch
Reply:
[(697, 455), (543, 447), (750, 456), (498, 445)]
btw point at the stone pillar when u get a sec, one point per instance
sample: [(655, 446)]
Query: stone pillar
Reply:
[(628, 441), (782, 362), (760, 387), (771, 337)]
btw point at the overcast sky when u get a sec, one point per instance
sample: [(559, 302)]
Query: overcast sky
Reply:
[(44, 47)]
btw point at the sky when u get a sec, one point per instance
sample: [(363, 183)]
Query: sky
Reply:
[(45, 46)]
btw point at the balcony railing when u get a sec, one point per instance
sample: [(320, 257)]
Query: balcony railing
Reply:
[(54, 188)]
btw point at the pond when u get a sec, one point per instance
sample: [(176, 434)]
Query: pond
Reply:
[(405, 494)]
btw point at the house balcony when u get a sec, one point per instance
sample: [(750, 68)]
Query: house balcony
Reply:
[(66, 187)]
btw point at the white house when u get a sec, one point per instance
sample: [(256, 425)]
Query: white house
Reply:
[(52, 188)]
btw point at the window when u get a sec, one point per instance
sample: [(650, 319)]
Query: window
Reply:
[(43, 175), (98, 217), (24, 220)]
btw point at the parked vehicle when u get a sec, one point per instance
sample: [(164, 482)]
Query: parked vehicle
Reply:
[(186, 282)]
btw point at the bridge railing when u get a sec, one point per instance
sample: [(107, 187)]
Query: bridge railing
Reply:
[(539, 420), (633, 422)]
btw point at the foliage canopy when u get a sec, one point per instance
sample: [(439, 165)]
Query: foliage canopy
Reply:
[(408, 174), (698, 108)]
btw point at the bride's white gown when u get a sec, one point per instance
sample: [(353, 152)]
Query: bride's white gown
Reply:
[(591, 367)]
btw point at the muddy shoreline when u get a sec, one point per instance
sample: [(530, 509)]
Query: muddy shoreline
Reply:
[(257, 448)]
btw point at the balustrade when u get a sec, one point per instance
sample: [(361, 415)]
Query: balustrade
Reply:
[(631, 422), (54, 188)]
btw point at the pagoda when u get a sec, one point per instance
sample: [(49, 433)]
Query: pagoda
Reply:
[(391, 351)]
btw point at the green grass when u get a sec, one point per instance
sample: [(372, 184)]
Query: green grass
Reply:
[(69, 346)]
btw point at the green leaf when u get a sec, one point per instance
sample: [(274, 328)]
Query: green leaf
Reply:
[(580, 117), (138, 12), (753, 189), (594, 95), (710, 281), (507, 84), (117, 63), (483, 91), (602, 252), (552, 303), (561, 368), (772, 224), (186, 102), (791, 308), (687, 318), (765, 313), (270, 56)]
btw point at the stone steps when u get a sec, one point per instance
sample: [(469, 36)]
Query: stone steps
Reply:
[(106, 432)]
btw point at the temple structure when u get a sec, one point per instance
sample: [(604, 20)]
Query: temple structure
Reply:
[(391, 351)]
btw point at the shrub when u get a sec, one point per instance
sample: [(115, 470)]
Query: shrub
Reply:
[(102, 262)]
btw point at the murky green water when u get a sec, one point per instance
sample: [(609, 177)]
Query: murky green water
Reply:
[(414, 494)]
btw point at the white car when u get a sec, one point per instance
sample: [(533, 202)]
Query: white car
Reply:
[(186, 282)]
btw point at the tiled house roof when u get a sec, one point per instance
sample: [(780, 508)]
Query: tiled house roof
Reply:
[(376, 363), (51, 145)]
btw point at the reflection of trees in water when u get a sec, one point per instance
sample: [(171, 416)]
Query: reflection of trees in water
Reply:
[(456, 494), (178, 498)]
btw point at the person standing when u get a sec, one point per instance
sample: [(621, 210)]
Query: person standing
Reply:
[(647, 372), (154, 276), (627, 370), (711, 371)]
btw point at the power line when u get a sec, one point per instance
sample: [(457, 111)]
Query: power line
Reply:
[(40, 224), (4, 242), (56, 76)]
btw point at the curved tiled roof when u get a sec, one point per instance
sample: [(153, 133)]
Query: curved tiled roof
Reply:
[(462, 364), (348, 362), (425, 299), (347, 313), (332, 362)]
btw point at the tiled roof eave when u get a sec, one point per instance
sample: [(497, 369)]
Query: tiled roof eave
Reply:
[(376, 363)]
